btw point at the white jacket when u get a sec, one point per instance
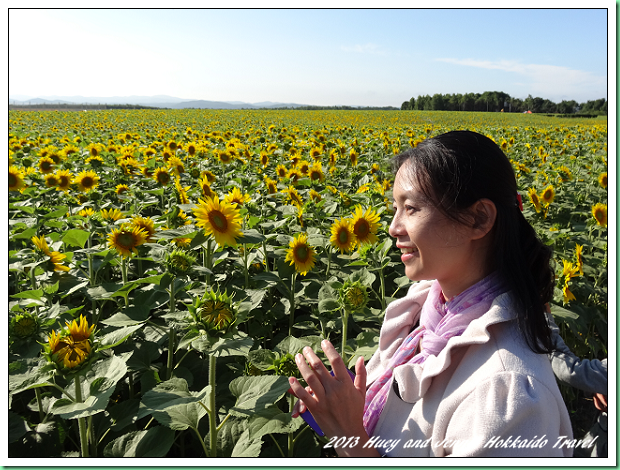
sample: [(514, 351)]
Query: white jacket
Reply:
[(485, 395)]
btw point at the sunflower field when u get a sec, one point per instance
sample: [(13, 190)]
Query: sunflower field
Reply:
[(165, 266)]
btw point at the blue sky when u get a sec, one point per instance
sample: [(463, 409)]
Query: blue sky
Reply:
[(357, 57)]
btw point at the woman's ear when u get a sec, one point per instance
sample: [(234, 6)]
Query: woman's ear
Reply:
[(484, 214)]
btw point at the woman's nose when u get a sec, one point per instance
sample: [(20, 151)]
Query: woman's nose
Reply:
[(395, 227)]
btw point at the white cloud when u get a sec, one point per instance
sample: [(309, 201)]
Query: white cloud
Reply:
[(544, 80), (369, 48)]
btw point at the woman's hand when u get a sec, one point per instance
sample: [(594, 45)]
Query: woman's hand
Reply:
[(336, 402)]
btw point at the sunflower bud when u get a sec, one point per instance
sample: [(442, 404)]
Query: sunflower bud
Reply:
[(71, 348), (354, 296), (24, 325), (215, 312), (179, 262)]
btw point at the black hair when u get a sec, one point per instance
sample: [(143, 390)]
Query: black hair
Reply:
[(458, 168)]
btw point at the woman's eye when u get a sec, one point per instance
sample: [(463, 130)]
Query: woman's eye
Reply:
[(410, 209)]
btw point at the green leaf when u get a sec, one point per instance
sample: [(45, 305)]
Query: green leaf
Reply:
[(17, 427), (24, 375), (560, 312), (29, 294), (238, 345), (251, 236), (255, 394), (61, 211), (99, 384), (183, 232), (247, 447), (28, 233), (173, 405), (154, 442), (116, 337), (75, 237), (51, 289), (272, 420), (328, 305)]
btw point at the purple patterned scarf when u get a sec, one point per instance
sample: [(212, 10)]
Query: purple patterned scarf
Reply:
[(439, 321)]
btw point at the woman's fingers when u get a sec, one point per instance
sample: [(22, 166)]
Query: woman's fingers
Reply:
[(312, 377), (338, 368), (360, 375)]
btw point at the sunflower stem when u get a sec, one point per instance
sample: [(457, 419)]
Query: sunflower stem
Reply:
[(81, 421), (329, 260), (382, 280), (265, 254), (171, 335), (277, 445), (291, 318), (245, 264), (124, 274), (37, 392), (208, 261), (91, 437), (202, 441), (291, 441), (172, 299), (345, 321), (213, 414)]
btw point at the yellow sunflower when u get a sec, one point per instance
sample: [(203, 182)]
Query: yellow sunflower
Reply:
[(272, 186), (176, 165), (64, 180), (121, 188), (264, 158), (162, 176), (281, 171), (41, 244), (220, 219), (548, 194), (353, 156), (293, 196), (204, 185), (599, 211), (16, 179), (87, 180), (55, 261), (316, 197), (190, 148), (579, 257), (237, 197), (126, 239), (602, 180), (343, 237), (365, 225), (209, 175), (71, 348), (568, 295), (111, 214), (316, 172), (86, 212), (225, 156), (144, 223), (534, 199), (46, 165), (301, 254)]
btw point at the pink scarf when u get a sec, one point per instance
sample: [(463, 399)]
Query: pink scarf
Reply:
[(439, 321)]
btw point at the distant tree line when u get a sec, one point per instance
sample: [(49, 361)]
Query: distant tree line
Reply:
[(495, 101), (77, 106)]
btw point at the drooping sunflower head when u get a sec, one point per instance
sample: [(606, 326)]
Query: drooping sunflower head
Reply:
[(354, 296), (300, 254), (272, 185), (548, 195), (342, 236), (87, 180), (365, 225), (534, 199), (176, 165), (220, 219), (126, 239), (179, 262), (599, 212), (210, 176), (315, 196), (55, 263), (579, 257), (602, 180), (293, 196), (16, 179)]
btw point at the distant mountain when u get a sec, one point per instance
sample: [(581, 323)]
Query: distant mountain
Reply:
[(157, 101)]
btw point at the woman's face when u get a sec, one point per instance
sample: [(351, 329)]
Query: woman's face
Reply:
[(432, 246)]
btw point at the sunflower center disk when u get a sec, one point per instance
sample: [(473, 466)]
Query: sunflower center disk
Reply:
[(361, 228), (126, 240), (343, 236), (218, 221), (302, 253)]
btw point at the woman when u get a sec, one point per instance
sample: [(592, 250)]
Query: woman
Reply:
[(461, 368)]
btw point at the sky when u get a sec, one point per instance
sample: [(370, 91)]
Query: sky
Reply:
[(353, 57)]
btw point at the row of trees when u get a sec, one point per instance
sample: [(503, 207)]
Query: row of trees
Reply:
[(494, 101)]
